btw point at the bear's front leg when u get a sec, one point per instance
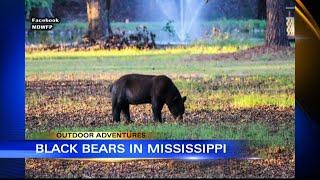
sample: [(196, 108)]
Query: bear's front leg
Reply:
[(126, 112), (156, 109)]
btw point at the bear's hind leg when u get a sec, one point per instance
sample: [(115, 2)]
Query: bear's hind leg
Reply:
[(116, 109)]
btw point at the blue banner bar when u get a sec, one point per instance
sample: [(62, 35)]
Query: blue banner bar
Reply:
[(138, 149)]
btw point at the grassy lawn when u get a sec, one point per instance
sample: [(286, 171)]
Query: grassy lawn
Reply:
[(217, 89), (179, 60)]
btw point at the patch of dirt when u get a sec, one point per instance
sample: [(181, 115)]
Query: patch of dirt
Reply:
[(46, 120)]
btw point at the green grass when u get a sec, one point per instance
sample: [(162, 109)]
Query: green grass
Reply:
[(52, 62), (253, 131)]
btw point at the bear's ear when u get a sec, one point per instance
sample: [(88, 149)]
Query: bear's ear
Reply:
[(184, 98)]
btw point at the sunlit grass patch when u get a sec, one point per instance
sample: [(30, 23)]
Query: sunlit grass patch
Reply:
[(255, 100), (220, 101), (189, 50)]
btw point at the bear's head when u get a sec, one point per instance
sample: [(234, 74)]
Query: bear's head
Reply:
[(177, 108)]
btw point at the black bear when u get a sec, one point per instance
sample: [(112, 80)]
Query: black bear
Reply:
[(141, 89)]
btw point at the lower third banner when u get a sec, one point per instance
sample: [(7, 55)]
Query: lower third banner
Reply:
[(136, 149)]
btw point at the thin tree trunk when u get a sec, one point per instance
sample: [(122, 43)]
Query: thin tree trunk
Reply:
[(108, 3), (276, 34), (262, 12)]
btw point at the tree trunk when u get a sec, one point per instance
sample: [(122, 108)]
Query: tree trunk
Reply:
[(108, 3), (276, 34), (98, 19)]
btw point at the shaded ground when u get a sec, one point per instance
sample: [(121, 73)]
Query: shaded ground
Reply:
[(280, 165)]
